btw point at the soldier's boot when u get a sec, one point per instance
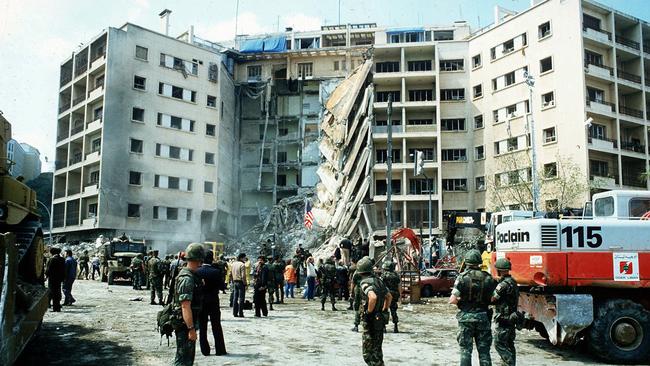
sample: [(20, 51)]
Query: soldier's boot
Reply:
[(396, 330), (355, 328), (334, 308), (385, 331), (271, 306), (322, 306)]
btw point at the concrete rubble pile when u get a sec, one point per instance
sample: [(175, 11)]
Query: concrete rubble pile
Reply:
[(78, 249)]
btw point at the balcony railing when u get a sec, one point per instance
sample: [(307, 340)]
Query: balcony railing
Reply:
[(630, 111), (77, 129), (646, 47), (614, 142), (64, 107), (60, 164), (590, 62), (627, 76), (633, 180), (66, 78), (61, 137), (609, 34), (595, 175), (99, 55), (79, 99), (633, 146), (599, 101), (627, 42), (80, 70)]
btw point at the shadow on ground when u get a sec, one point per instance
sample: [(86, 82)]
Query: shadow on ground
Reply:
[(66, 344)]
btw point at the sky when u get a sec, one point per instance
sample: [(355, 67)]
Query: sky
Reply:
[(36, 36)]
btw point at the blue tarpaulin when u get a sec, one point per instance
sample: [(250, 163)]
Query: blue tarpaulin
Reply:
[(268, 44), (404, 30)]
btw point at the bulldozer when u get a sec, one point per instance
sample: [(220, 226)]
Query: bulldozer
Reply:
[(23, 297)]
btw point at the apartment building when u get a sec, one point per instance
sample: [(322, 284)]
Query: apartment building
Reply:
[(25, 160), (146, 140)]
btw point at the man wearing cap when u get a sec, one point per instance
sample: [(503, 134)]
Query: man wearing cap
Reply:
[(187, 303), (239, 283), (506, 298)]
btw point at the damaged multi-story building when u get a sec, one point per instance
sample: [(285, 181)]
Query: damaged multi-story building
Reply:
[(459, 96)]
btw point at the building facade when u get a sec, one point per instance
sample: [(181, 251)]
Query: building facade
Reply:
[(146, 140), (25, 160)]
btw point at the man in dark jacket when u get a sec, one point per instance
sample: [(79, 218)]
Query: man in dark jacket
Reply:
[(213, 282), (55, 273), (70, 276), (261, 281)]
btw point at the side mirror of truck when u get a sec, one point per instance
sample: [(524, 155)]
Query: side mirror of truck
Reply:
[(588, 211)]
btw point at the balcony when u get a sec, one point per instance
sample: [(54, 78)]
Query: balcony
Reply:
[(64, 107), (92, 157), (62, 137), (646, 47), (603, 180), (600, 142), (384, 129), (629, 77), (633, 146), (81, 69), (96, 92), (600, 70), (97, 60), (79, 99), (627, 42), (76, 130), (66, 78), (94, 125), (60, 164), (634, 180), (601, 106), (630, 111), (91, 189), (597, 34), (75, 159)]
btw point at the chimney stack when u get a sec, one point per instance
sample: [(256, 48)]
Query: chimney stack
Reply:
[(164, 18)]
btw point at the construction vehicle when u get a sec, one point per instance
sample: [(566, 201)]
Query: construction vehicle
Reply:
[(216, 248), (586, 278), (24, 298), (119, 253)]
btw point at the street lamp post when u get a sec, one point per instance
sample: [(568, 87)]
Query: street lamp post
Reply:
[(51, 219), (530, 81)]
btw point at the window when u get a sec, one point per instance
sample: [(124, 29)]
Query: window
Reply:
[(305, 70), (141, 53), (446, 35), (476, 61), (423, 95), (135, 178), (452, 94), (545, 65), (282, 180), (548, 100), (604, 206), (639, 206), (382, 156), (495, 115), (174, 152), (155, 212), (381, 187), (172, 213), (210, 129), (478, 91), (454, 155), (254, 72), (208, 187), (544, 30), (509, 46), (590, 22), (97, 113), (452, 124), (282, 157), (387, 66), (96, 145), (419, 122), (511, 110), (136, 146), (94, 177), (92, 210), (549, 135), (212, 101), (599, 168), (382, 96), (173, 183), (133, 210), (478, 121), (493, 53), (422, 65), (457, 185), (139, 82), (509, 78), (597, 131), (213, 72), (429, 153), (188, 214), (137, 114), (209, 158), (179, 64), (550, 170), (421, 186), (595, 95), (480, 183), (512, 144), (479, 152), (169, 90), (593, 58), (452, 65)]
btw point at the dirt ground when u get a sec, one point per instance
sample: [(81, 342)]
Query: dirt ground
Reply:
[(105, 328)]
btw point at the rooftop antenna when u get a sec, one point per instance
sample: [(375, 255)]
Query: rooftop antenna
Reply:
[(164, 17), (236, 18), (339, 12)]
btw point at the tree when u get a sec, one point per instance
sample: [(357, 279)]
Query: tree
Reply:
[(562, 183), (43, 187)]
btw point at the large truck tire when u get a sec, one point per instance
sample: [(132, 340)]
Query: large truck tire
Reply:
[(620, 332)]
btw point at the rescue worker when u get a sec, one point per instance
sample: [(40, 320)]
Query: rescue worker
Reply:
[(506, 298), (328, 279), (375, 298), (471, 293), (270, 280), (392, 281), (355, 299), (137, 267), (155, 278), (187, 302)]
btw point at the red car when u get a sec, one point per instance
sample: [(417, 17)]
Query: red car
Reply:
[(438, 281)]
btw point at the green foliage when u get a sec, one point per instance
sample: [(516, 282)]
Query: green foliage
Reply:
[(43, 187)]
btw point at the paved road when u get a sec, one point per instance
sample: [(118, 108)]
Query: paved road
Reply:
[(105, 328)]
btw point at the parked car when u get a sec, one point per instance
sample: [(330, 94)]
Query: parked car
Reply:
[(437, 281)]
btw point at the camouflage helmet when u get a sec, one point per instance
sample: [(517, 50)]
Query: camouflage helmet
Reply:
[(194, 252), (388, 265), (473, 257), (329, 260), (364, 265), (503, 264)]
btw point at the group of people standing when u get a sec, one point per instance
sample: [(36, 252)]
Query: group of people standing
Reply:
[(60, 274)]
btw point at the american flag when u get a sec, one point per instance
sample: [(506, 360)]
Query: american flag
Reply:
[(309, 216)]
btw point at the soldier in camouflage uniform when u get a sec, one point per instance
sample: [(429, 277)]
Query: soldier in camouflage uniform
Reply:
[(154, 266), (355, 298), (328, 279), (136, 269), (187, 303), (270, 281), (375, 299), (146, 268), (472, 293), (391, 280), (166, 271), (506, 298)]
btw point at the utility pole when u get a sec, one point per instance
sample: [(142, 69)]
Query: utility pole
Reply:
[(418, 158), (530, 81), (389, 173), (339, 12)]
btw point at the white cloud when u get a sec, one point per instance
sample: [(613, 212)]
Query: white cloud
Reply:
[(138, 8), (301, 22)]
